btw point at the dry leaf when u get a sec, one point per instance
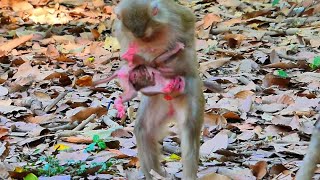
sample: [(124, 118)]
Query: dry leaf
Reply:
[(84, 81), (8, 46), (209, 19), (219, 141), (243, 94), (270, 80), (214, 64), (259, 169), (85, 113), (214, 176)]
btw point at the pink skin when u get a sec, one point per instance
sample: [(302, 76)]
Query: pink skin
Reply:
[(162, 85)]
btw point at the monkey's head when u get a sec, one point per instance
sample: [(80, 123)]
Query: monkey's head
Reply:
[(141, 18)]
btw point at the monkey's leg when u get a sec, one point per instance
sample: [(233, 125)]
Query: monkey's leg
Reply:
[(190, 118), (148, 130), (312, 158)]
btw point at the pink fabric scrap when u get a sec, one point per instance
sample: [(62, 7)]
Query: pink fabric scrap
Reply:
[(132, 50), (120, 107)]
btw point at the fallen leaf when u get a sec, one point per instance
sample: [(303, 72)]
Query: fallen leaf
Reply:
[(259, 169), (214, 176), (219, 141), (214, 64), (8, 46), (85, 113), (209, 19)]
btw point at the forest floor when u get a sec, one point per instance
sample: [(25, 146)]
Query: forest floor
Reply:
[(262, 56)]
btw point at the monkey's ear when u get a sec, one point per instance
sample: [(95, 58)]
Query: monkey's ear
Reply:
[(154, 8)]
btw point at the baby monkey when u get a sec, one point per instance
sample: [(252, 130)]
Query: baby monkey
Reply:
[(156, 26), (135, 76)]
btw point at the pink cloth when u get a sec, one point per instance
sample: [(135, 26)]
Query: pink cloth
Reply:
[(132, 50), (120, 107)]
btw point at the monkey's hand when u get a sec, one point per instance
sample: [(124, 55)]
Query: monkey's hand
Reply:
[(166, 56), (105, 80)]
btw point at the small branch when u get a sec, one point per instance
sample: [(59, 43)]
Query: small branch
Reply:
[(64, 127), (84, 123), (293, 58), (62, 95), (67, 133)]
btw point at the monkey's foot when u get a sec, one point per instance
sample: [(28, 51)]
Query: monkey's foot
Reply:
[(120, 107)]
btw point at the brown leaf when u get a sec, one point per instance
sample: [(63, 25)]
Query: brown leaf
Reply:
[(8, 46), (214, 176), (63, 58), (282, 65), (3, 132), (85, 113), (95, 33), (243, 94), (209, 19), (4, 150), (231, 115), (77, 139), (52, 52), (257, 13), (134, 162), (214, 64), (234, 40), (277, 169), (270, 80), (259, 169), (232, 22), (84, 81), (213, 119)]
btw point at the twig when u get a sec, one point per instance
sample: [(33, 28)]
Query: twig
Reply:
[(67, 133), (293, 58), (84, 123), (64, 127), (48, 108)]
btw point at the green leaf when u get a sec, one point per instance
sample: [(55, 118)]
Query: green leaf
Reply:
[(30, 176), (90, 147), (96, 138), (275, 2), (282, 73), (102, 145), (316, 63)]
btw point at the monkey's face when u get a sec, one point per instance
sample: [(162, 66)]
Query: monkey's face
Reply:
[(139, 21)]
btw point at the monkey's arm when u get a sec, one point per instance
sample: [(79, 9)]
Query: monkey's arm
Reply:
[(312, 158), (166, 56), (105, 80)]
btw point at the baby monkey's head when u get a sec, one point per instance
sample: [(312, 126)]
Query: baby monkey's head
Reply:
[(141, 18)]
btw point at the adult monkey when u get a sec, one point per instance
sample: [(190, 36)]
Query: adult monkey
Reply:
[(156, 26)]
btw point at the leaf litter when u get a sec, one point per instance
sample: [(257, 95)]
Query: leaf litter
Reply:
[(263, 56)]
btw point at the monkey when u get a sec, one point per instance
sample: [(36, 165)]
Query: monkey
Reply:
[(156, 26), (312, 157), (135, 77)]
